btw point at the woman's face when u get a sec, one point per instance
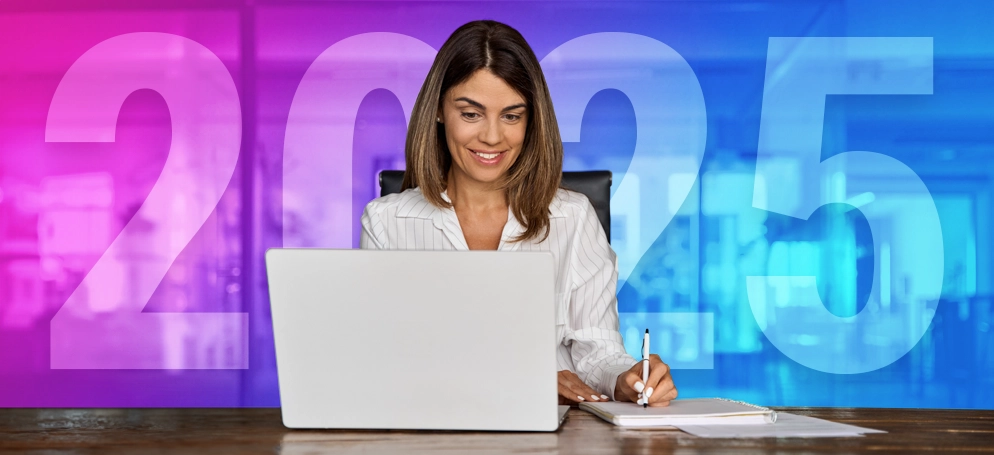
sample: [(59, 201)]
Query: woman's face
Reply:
[(485, 122)]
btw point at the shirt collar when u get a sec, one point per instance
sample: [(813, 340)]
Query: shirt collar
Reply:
[(557, 207), (421, 208)]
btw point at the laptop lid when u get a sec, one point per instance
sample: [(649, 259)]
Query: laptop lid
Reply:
[(414, 339)]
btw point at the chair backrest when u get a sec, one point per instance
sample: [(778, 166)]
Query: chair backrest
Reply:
[(596, 185)]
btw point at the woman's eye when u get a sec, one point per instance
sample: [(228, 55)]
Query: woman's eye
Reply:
[(512, 117), (470, 115)]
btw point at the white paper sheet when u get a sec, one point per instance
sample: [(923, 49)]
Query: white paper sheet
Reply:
[(787, 426)]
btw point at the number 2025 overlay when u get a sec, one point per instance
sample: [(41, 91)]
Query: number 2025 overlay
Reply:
[(671, 122)]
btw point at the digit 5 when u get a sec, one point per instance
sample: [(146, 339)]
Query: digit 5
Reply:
[(800, 72)]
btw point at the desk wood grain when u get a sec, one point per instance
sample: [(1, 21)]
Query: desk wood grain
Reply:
[(224, 431)]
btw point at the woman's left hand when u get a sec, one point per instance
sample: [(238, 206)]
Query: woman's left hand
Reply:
[(659, 388), (573, 391)]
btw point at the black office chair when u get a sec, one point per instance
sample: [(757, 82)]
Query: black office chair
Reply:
[(596, 185)]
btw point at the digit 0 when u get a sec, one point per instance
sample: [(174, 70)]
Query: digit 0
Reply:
[(317, 153)]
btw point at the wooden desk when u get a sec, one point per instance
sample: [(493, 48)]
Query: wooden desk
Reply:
[(222, 431)]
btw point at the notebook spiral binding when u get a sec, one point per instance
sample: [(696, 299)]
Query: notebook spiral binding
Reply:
[(773, 414)]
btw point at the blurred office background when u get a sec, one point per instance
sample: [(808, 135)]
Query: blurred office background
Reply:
[(62, 204)]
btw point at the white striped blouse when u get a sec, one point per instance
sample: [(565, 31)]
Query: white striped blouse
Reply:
[(586, 271)]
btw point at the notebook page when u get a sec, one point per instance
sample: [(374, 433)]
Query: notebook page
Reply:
[(695, 407), (787, 426)]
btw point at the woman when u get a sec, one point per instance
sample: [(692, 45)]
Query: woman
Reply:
[(484, 163)]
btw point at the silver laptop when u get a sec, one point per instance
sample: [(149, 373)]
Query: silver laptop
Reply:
[(438, 340)]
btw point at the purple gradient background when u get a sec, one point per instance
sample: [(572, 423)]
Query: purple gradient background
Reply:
[(282, 41), (38, 49), (56, 221)]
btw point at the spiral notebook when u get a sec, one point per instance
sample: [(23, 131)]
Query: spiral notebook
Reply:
[(695, 411)]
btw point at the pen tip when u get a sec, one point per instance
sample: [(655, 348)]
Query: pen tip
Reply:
[(646, 330)]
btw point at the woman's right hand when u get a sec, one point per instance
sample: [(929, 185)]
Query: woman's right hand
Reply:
[(659, 387), (573, 391)]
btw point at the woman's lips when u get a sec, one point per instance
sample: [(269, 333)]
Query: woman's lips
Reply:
[(487, 157)]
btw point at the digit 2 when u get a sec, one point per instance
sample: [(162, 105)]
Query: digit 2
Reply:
[(101, 326)]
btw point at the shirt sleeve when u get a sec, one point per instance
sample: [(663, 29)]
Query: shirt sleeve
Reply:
[(596, 347), (372, 229)]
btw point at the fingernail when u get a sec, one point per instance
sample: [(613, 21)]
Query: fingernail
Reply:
[(648, 392), (641, 401), (580, 398), (605, 397), (639, 386), (594, 397)]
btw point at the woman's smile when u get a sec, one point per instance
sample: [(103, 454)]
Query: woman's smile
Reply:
[(487, 157)]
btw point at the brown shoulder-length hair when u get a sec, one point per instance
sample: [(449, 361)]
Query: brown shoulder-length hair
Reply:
[(531, 182)]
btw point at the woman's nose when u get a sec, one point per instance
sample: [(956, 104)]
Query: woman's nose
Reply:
[(491, 133)]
